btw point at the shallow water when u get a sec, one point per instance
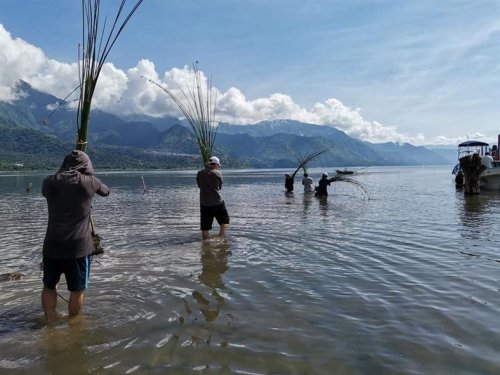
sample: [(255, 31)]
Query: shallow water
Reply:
[(404, 281)]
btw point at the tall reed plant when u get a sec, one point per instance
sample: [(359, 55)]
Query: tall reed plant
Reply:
[(304, 159), (198, 103), (97, 43)]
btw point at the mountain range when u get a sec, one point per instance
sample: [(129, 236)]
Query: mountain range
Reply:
[(33, 137)]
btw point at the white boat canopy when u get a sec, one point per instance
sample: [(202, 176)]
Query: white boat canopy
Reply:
[(473, 144)]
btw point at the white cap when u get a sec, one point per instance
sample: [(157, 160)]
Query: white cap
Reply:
[(325, 174), (214, 160)]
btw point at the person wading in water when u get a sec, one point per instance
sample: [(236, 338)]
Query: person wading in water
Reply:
[(212, 205), (322, 188), (68, 243)]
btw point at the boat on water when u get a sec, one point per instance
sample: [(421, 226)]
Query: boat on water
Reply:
[(489, 178), (344, 171)]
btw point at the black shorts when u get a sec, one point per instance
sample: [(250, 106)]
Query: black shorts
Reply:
[(208, 213), (76, 272)]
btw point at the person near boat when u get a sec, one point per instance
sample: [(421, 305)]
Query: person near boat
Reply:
[(68, 243), (212, 206), (487, 160)]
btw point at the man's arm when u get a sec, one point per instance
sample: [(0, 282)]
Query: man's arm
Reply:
[(100, 188), (198, 177), (45, 187)]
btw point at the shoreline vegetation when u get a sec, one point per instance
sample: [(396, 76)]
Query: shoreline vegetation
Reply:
[(26, 142), (34, 163)]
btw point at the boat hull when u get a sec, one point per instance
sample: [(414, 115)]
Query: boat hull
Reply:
[(490, 179)]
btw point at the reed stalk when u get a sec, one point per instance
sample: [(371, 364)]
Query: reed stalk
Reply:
[(198, 104), (304, 159), (352, 182), (97, 43)]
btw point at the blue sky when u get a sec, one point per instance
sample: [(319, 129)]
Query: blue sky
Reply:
[(424, 72)]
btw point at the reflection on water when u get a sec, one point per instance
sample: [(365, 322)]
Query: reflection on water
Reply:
[(472, 216), (307, 200), (475, 205), (65, 349), (405, 282), (477, 215), (214, 262)]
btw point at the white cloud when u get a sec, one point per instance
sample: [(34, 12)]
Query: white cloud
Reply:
[(130, 92), (140, 96), (18, 60), (444, 141)]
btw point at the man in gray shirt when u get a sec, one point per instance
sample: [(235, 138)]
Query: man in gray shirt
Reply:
[(68, 241), (212, 205)]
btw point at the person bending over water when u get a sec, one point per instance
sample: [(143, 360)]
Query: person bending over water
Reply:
[(289, 180), (324, 182), (288, 183)]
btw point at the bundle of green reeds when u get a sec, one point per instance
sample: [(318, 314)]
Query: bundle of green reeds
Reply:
[(342, 178), (304, 159), (198, 103), (96, 44)]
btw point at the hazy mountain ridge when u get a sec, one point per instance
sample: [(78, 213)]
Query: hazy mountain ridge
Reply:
[(146, 142)]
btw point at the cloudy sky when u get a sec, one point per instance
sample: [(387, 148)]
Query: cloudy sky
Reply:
[(425, 71)]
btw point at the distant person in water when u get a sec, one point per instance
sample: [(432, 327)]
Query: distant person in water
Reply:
[(307, 182), (68, 244), (212, 205), (288, 183), (289, 180), (322, 188)]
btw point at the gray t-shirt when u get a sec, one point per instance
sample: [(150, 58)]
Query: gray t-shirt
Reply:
[(69, 196), (210, 183), (307, 182)]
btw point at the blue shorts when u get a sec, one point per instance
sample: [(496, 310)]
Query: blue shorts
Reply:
[(76, 272)]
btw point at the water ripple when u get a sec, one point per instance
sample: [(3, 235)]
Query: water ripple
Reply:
[(403, 282)]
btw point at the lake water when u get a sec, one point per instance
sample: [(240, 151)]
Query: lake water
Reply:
[(404, 281)]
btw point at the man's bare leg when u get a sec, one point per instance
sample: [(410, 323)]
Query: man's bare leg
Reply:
[(49, 301), (75, 303), (204, 234), (222, 230)]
